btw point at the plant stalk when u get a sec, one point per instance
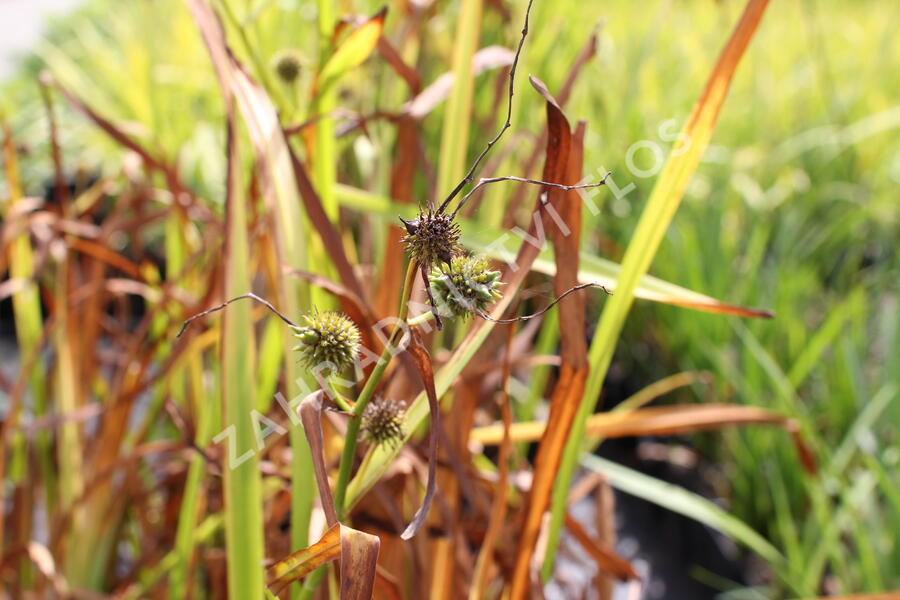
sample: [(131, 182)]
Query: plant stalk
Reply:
[(368, 392)]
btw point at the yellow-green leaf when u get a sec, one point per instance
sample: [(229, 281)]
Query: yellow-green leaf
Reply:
[(353, 52)]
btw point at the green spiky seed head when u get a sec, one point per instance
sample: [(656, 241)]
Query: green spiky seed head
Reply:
[(383, 422), (432, 238), (327, 337), (287, 65), (466, 287)]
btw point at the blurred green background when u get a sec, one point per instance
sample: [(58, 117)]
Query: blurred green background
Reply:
[(794, 209)]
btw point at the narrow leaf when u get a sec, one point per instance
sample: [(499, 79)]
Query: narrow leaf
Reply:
[(501, 245), (605, 558), (657, 420), (573, 373), (353, 52), (423, 365), (655, 219), (300, 563), (683, 502), (242, 485), (310, 415), (281, 196), (357, 551)]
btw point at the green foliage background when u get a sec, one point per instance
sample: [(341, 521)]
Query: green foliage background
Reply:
[(794, 209)]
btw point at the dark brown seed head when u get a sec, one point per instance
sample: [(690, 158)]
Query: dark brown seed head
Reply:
[(383, 422), (432, 238), (288, 65)]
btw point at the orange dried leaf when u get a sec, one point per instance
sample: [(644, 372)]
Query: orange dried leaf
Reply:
[(358, 552), (657, 420)]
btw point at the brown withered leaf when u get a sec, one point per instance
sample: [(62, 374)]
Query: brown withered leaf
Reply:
[(656, 420), (422, 360), (562, 98), (325, 228), (359, 557), (573, 373), (392, 56), (357, 551), (310, 416), (606, 559), (480, 580), (302, 562)]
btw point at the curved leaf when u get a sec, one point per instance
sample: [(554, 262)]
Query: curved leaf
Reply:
[(679, 500), (503, 245), (353, 52)]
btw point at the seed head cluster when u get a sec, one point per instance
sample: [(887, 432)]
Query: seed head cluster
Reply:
[(432, 238), (287, 66), (327, 337), (468, 286), (383, 422)]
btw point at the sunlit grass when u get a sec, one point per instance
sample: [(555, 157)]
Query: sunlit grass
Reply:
[(792, 209)]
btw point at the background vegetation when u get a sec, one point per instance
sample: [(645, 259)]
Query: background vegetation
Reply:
[(793, 209)]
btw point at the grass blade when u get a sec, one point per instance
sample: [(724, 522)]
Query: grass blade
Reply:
[(657, 420), (455, 139), (242, 486), (661, 206), (273, 153), (562, 165), (683, 502)]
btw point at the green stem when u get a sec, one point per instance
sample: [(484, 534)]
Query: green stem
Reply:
[(368, 392), (340, 493), (420, 319)]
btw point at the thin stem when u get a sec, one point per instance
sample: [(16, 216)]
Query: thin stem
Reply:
[(486, 180), (343, 403), (368, 392), (512, 80), (581, 286), (249, 295), (420, 319)]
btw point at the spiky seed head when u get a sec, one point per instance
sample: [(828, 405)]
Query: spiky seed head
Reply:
[(288, 65), (432, 238), (383, 422), (327, 337), (466, 287)]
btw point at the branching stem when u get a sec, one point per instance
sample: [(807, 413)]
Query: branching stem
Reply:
[(512, 80), (368, 392), (249, 295), (486, 180), (582, 286)]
